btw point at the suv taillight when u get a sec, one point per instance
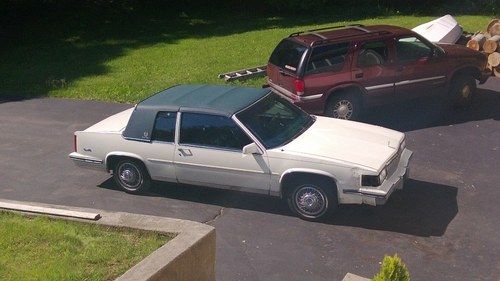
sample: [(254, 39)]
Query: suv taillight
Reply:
[(299, 86), (74, 143)]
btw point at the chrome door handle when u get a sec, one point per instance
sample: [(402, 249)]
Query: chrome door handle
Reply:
[(185, 152)]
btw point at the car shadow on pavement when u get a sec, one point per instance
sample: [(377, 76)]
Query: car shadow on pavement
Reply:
[(421, 208), (431, 112)]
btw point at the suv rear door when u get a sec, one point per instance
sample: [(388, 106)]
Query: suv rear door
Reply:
[(284, 65), (327, 66), (421, 72), (375, 70)]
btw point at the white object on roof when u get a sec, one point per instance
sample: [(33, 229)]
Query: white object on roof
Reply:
[(444, 30)]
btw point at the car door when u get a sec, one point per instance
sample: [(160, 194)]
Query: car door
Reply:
[(160, 152), (421, 72), (209, 153), (375, 70), (328, 65)]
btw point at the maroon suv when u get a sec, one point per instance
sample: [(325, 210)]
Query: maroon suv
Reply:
[(340, 71)]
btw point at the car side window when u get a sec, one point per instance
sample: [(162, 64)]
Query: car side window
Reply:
[(373, 53), (327, 58), (411, 49), (164, 129), (212, 130)]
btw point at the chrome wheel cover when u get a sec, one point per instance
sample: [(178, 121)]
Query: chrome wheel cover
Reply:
[(343, 109), (310, 201), (130, 176)]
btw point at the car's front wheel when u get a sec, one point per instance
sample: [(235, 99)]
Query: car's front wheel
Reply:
[(463, 89), (131, 176), (312, 201)]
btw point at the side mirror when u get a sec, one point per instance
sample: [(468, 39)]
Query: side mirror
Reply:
[(252, 149)]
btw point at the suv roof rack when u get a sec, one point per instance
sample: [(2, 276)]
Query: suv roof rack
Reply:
[(323, 41), (355, 26)]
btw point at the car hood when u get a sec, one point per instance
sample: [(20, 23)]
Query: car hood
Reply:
[(347, 142), (455, 51)]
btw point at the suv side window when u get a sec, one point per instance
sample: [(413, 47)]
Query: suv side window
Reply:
[(164, 129), (212, 130), (411, 49), (373, 53), (327, 58)]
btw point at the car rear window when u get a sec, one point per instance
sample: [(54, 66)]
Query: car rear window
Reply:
[(327, 58), (287, 55)]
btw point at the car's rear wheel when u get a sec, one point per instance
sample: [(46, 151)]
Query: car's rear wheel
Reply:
[(463, 89), (312, 200), (131, 176), (344, 106)]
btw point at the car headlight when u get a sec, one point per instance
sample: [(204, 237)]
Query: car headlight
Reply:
[(369, 180)]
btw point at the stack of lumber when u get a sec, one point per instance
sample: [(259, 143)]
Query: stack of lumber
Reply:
[(489, 43)]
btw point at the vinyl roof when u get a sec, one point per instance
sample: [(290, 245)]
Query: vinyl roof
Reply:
[(224, 100), (220, 100)]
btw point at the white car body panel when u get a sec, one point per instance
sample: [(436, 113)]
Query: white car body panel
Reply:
[(341, 150)]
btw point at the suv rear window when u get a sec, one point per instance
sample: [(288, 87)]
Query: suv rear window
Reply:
[(327, 58), (287, 54)]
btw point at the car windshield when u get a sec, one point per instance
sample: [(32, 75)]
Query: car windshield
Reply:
[(275, 121)]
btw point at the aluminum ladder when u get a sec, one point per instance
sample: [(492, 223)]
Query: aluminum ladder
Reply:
[(244, 73)]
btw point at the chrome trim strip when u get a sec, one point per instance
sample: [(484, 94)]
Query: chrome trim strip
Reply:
[(161, 161), (181, 145), (220, 168), (227, 187), (313, 97), (418, 80), (135, 139), (381, 86)]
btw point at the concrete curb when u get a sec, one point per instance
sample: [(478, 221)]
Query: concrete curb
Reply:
[(189, 256)]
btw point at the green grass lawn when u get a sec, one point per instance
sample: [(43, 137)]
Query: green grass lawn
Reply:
[(126, 61), (40, 248)]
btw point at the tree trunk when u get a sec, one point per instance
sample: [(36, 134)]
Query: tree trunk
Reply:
[(494, 59), (492, 22), (495, 29), (496, 71), (476, 42), (491, 45)]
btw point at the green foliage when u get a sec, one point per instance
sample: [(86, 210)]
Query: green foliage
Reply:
[(392, 269), (40, 248)]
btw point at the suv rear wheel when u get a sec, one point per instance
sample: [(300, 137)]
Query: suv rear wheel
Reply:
[(344, 106)]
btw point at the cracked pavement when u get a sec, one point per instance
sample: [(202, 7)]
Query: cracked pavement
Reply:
[(444, 223)]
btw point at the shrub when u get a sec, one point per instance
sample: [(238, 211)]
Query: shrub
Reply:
[(392, 269)]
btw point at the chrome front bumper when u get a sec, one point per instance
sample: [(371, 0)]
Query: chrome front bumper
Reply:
[(380, 194)]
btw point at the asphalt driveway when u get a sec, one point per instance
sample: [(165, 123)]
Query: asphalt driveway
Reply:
[(444, 224)]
